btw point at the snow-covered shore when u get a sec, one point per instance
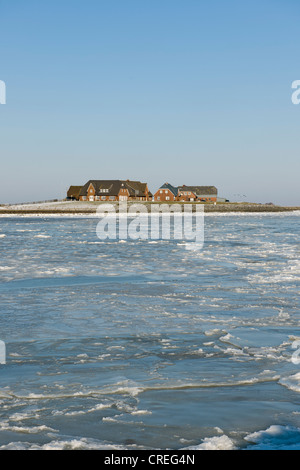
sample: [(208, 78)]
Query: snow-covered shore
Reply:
[(85, 208)]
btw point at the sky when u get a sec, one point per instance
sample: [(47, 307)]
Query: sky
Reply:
[(187, 92)]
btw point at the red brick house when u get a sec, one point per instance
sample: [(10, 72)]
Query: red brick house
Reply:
[(197, 193), (114, 190), (167, 192)]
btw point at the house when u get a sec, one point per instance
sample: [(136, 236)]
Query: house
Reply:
[(73, 193), (197, 193), (167, 192), (114, 190)]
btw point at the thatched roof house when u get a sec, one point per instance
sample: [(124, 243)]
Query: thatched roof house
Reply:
[(73, 193), (114, 190)]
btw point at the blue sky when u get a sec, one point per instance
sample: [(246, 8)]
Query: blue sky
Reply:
[(185, 91)]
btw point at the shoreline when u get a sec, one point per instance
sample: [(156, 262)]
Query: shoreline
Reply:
[(85, 208)]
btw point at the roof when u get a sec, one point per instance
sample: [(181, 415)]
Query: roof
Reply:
[(200, 190), (112, 187), (136, 188), (74, 191), (170, 188)]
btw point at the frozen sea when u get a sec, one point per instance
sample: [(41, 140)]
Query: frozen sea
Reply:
[(145, 344)]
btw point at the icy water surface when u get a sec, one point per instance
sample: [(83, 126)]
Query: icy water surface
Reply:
[(147, 344)]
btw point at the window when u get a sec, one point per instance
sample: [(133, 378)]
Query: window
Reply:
[(97, 198), (158, 198), (161, 191), (103, 198), (167, 198), (112, 198), (166, 192), (84, 198)]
